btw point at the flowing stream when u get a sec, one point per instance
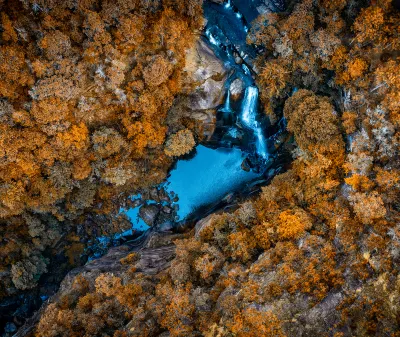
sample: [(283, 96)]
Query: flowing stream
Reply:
[(213, 173), (249, 119)]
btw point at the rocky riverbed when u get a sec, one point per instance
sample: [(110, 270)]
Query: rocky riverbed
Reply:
[(239, 152), (240, 145)]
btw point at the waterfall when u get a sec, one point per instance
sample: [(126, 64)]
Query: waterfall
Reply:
[(249, 114), (228, 37), (249, 107), (246, 68), (260, 143), (227, 105)]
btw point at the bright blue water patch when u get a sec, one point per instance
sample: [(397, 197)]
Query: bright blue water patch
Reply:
[(137, 222), (133, 216), (207, 178)]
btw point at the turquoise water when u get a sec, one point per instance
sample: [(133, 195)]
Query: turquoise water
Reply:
[(137, 222), (208, 177), (213, 173), (205, 179)]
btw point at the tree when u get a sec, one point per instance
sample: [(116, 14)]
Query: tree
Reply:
[(292, 225), (26, 273), (157, 72), (368, 207), (312, 119), (180, 143), (85, 91), (251, 322)]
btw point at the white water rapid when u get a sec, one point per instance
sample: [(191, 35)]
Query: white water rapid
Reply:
[(248, 117)]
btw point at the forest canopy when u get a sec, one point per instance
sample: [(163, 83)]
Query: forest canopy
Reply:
[(86, 91)]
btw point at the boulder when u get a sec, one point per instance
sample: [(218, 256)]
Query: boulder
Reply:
[(207, 96), (237, 88), (202, 64), (205, 69), (246, 165), (202, 224), (204, 80), (149, 214)]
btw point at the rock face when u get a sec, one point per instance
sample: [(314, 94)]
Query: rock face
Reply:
[(209, 74), (202, 64), (202, 224), (208, 96), (204, 68), (156, 250)]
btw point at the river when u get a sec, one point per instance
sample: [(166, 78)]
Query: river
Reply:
[(213, 172)]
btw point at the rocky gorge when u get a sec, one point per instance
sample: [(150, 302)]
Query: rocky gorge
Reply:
[(268, 207), (220, 78)]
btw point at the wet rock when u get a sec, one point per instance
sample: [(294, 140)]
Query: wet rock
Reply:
[(164, 222), (154, 194), (208, 96), (246, 165), (163, 195), (165, 226), (238, 59), (229, 198), (167, 210), (269, 6), (271, 173), (149, 213), (204, 68), (135, 203), (10, 328), (263, 9), (236, 88)]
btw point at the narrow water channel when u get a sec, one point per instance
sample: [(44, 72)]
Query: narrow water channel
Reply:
[(214, 172)]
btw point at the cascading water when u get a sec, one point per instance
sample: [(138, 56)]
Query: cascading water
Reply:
[(228, 38), (228, 4), (249, 119), (227, 105), (239, 154), (211, 37), (261, 144), (249, 107)]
